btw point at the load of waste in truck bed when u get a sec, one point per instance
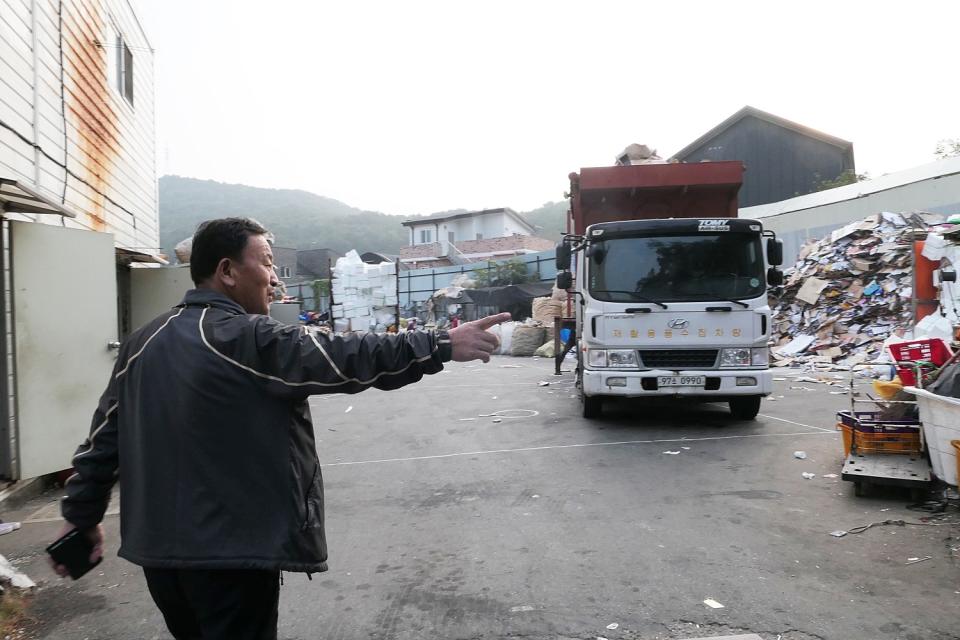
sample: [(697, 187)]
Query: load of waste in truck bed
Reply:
[(848, 293)]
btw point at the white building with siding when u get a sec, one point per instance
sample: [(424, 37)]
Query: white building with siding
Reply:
[(444, 228), (78, 198)]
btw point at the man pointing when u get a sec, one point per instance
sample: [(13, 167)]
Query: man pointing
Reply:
[(205, 421)]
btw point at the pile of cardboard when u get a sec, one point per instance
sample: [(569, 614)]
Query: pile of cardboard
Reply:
[(364, 295), (848, 293)]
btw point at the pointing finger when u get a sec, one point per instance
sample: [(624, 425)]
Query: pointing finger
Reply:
[(489, 321)]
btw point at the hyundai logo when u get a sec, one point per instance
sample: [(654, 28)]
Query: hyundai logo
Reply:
[(678, 323)]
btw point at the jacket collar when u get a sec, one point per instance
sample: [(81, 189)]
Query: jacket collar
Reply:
[(208, 297)]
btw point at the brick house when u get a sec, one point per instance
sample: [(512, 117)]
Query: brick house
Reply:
[(461, 238)]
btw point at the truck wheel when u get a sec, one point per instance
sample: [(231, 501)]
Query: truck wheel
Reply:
[(745, 408), (592, 405)]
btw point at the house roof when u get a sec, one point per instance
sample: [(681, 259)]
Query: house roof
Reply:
[(437, 217), (748, 111)]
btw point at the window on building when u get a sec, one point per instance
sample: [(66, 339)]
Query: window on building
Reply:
[(426, 236), (120, 66), (479, 236), (284, 272)]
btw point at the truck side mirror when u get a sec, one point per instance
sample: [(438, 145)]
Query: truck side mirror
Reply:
[(774, 252), (563, 256), (774, 277), (564, 280)]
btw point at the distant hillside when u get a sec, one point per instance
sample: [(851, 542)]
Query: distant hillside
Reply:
[(550, 219), (298, 218)]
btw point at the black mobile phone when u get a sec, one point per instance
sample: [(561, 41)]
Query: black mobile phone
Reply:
[(73, 551)]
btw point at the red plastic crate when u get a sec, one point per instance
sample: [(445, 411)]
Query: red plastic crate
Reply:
[(932, 350)]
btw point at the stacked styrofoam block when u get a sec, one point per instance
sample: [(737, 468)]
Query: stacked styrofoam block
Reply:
[(360, 290)]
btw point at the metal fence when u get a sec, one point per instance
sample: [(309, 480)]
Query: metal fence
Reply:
[(418, 285), (308, 302)]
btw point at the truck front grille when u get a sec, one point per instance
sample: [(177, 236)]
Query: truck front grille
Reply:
[(678, 358)]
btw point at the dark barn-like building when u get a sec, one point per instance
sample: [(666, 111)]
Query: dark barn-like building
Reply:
[(783, 159)]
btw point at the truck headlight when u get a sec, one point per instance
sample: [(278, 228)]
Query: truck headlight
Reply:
[(613, 358), (739, 357), (761, 356), (597, 357), (621, 358)]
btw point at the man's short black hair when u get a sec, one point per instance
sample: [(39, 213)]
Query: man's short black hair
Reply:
[(219, 239)]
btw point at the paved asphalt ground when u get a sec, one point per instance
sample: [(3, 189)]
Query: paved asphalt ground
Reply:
[(445, 523)]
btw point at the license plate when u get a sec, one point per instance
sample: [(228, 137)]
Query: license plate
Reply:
[(680, 381)]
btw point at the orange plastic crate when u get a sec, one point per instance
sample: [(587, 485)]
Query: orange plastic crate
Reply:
[(879, 442)]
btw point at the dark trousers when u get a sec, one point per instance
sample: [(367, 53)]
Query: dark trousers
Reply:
[(223, 604)]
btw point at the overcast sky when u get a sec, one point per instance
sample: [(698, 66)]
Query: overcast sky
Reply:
[(415, 107)]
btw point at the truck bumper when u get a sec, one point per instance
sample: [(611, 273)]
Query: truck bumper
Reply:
[(719, 384)]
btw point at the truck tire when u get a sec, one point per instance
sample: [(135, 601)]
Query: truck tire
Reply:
[(592, 406), (745, 408)]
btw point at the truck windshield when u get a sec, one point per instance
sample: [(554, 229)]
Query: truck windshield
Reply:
[(680, 268)]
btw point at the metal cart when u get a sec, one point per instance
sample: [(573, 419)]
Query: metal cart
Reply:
[(882, 452)]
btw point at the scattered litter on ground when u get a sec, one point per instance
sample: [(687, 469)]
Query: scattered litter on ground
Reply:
[(901, 523), (498, 420), (808, 476), (511, 366), (685, 448), (779, 379), (535, 496), (800, 455), (916, 560), (672, 453), (466, 419), (543, 383), (613, 626), (11, 576), (713, 604), (830, 475), (839, 533), (349, 409), (521, 608), (9, 527)]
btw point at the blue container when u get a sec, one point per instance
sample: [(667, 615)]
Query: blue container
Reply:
[(564, 335)]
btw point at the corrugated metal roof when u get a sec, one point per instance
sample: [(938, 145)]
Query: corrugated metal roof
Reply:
[(18, 198), (931, 171)]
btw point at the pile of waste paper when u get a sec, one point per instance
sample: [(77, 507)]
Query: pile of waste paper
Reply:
[(848, 293)]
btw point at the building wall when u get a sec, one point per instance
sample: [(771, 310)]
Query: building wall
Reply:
[(94, 151), (285, 258), (780, 163), (491, 225)]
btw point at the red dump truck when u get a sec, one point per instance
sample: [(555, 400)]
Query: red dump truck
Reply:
[(668, 288)]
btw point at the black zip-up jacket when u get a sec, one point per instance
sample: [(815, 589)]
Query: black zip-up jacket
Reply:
[(206, 424)]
